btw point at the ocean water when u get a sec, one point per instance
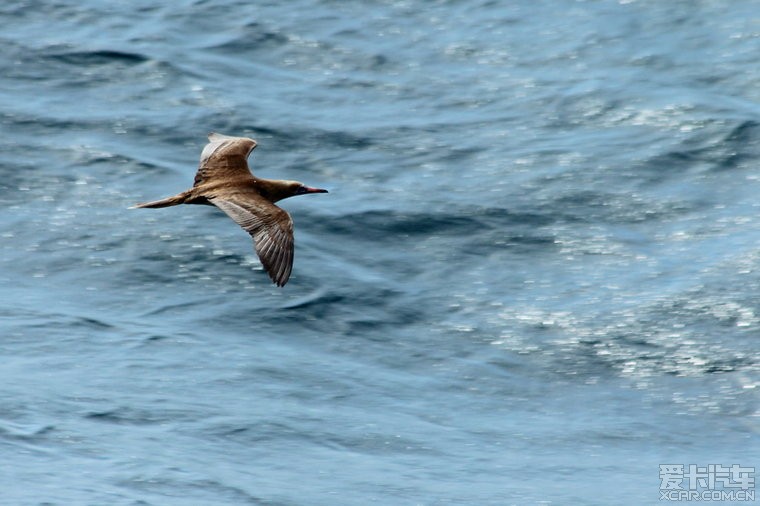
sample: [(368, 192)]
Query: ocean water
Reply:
[(535, 278)]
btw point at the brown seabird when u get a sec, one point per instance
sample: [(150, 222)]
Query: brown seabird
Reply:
[(224, 180)]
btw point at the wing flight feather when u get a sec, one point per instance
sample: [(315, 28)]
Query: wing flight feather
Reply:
[(271, 228)]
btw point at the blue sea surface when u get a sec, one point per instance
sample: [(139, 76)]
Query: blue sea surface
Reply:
[(535, 279)]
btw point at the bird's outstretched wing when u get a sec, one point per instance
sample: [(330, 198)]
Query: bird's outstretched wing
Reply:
[(270, 226), (224, 157)]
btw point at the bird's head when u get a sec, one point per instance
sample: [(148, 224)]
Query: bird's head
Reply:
[(301, 189), (277, 190)]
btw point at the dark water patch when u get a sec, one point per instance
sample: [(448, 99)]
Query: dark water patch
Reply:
[(315, 299), (587, 205), (94, 324), (158, 134), (46, 125), (99, 57), (744, 134), (178, 306), (116, 165), (378, 443), (149, 275), (386, 224), (371, 307), (126, 415), (252, 37), (15, 177), (25, 434), (103, 73), (498, 217), (194, 259), (718, 151), (368, 311), (260, 431), (154, 339), (741, 146), (60, 322), (697, 159), (182, 487), (460, 154), (341, 139)]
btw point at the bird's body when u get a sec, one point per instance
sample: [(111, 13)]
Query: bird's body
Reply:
[(225, 181)]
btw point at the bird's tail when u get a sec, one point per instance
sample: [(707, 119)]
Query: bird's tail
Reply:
[(167, 202)]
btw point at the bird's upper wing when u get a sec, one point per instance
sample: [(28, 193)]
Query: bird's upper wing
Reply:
[(224, 157), (270, 226)]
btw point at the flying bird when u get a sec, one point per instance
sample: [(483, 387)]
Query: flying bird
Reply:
[(224, 180)]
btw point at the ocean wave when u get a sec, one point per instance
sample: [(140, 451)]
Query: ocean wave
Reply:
[(98, 57)]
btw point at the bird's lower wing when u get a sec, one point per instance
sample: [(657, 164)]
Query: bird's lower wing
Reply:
[(271, 229)]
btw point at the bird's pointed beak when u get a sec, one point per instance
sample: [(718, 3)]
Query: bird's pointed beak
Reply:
[(308, 189)]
